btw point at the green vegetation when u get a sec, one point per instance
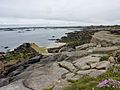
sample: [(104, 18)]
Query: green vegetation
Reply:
[(23, 52), (118, 57), (90, 83), (20, 56), (77, 38), (104, 58), (118, 60)]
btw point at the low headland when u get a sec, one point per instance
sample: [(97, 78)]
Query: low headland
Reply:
[(83, 60)]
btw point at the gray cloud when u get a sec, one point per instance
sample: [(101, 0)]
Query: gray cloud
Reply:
[(60, 11)]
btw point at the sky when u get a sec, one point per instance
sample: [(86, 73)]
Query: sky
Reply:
[(60, 12)]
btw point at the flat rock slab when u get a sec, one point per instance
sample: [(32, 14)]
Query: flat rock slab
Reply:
[(82, 63), (77, 53), (103, 65), (45, 77), (104, 49), (85, 46), (17, 85), (85, 72), (96, 73), (91, 72)]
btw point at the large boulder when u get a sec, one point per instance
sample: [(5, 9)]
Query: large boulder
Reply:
[(44, 77), (67, 65), (83, 63), (105, 38)]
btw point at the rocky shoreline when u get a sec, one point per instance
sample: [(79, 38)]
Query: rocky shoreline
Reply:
[(86, 53)]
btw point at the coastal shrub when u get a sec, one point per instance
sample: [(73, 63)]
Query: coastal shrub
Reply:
[(104, 58), (77, 38), (118, 60)]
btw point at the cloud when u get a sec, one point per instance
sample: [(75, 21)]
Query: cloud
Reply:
[(60, 11)]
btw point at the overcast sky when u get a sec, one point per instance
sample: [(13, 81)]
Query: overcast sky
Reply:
[(63, 12)]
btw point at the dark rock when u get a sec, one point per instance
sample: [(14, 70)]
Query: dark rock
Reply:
[(53, 36), (17, 66), (4, 81), (33, 60), (10, 69), (116, 32), (16, 72), (2, 53), (6, 47), (22, 75), (53, 58), (68, 49)]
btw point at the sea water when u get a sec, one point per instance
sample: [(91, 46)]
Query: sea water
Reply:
[(12, 39)]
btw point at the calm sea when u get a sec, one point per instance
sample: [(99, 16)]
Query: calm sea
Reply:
[(13, 39)]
